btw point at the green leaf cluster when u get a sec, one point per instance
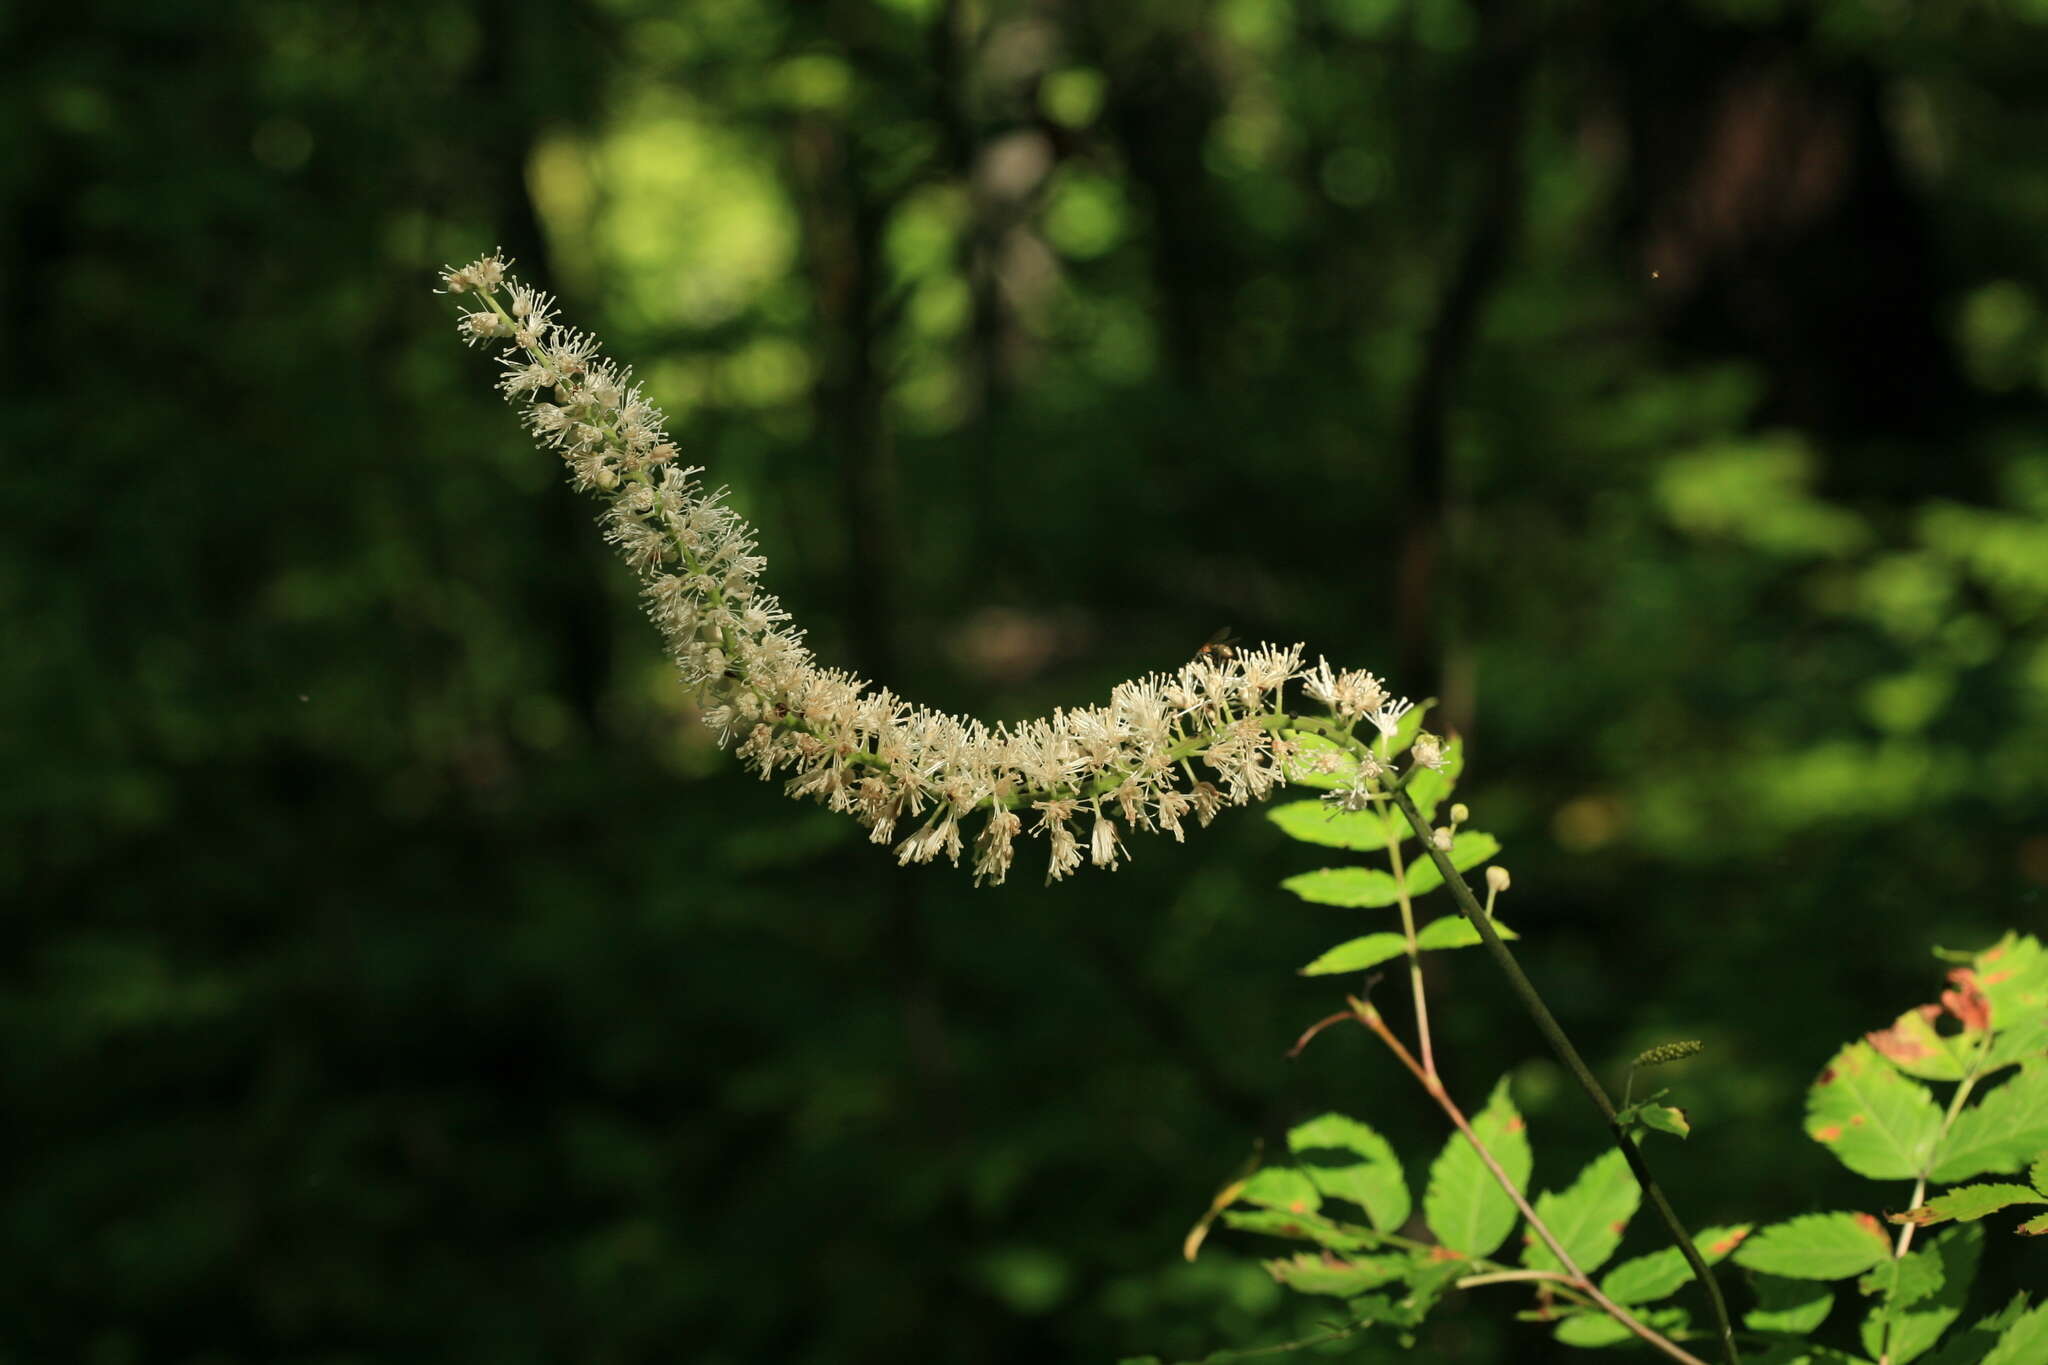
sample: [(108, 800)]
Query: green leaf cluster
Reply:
[(1873, 1106), (1399, 869)]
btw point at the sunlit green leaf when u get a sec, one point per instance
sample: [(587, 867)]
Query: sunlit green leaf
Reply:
[(1932, 1284), (1348, 1160), (1466, 1209), (2025, 1342), (1358, 954), (1309, 1273), (1364, 888), (1455, 931), (2001, 1132), (1968, 1203), (1916, 1047), (1304, 1227), (2006, 1337), (1645, 1279), (1817, 1246), (1319, 822), (1875, 1121), (1588, 1218), (1469, 848)]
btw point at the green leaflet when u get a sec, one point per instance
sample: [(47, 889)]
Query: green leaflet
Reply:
[(1469, 848), (2000, 1132), (1793, 1306), (2011, 1336), (1645, 1279), (1361, 888), (1369, 950), (1357, 954), (1455, 931), (2012, 975), (1906, 1323), (1318, 822), (1817, 1246), (2025, 1342), (1875, 1121), (1589, 1217), (1597, 1329), (1313, 1274), (1465, 1208), (1916, 1047), (1345, 1159), (1303, 1227), (1968, 1203)]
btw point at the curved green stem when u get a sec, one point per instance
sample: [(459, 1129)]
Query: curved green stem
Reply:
[(1554, 1034)]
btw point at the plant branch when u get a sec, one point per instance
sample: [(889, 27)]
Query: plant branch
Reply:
[(1576, 1277), (1554, 1034), (1905, 1242)]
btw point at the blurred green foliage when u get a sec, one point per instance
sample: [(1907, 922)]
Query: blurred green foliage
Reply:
[(395, 971)]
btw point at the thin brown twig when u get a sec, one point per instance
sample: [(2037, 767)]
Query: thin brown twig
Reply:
[(1578, 1280)]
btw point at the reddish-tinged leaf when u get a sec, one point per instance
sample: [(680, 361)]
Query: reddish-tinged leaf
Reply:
[(1875, 1121), (1914, 1046)]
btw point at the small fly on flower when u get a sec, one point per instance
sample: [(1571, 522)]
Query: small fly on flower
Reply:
[(1222, 645)]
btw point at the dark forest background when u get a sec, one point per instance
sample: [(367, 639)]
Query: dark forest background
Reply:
[(392, 970)]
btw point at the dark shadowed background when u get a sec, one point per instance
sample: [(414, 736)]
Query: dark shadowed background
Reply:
[(394, 971)]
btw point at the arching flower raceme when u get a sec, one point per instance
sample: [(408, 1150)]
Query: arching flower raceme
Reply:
[(914, 777)]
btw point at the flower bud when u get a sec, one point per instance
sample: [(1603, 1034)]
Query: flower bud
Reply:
[(1497, 879)]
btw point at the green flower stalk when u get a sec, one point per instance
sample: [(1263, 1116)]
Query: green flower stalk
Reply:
[(913, 776)]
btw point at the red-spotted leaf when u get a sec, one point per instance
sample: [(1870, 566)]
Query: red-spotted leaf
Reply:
[(1875, 1121), (1817, 1246), (1588, 1218), (1466, 1209), (1916, 1047)]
